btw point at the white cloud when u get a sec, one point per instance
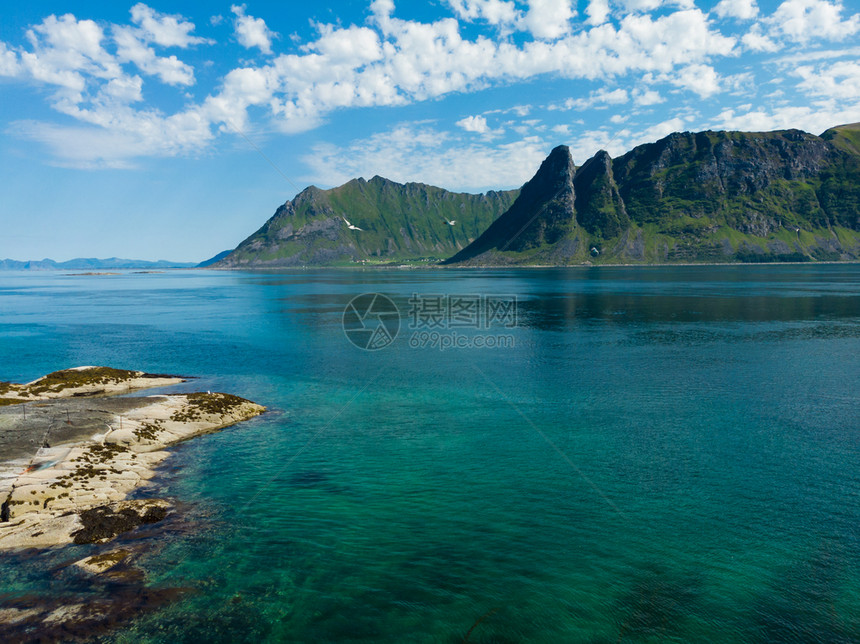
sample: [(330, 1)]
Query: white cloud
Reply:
[(701, 79), (252, 32), (354, 45), (9, 65), (601, 98), (114, 139), (129, 48), (415, 152), (646, 97), (820, 54), (527, 126), (651, 5), (840, 81), (165, 29), (494, 12), (382, 9), (388, 62), (241, 89), (813, 118), (659, 130), (543, 19), (98, 71), (474, 124), (92, 86), (548, 19), (597, 11), (740, 9), (585, 145), (755, 40), (805, 20)]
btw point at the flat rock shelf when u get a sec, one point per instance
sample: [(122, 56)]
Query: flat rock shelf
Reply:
[(71, 455)]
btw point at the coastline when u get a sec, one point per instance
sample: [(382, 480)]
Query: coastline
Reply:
[(253, 269), (74, 462)]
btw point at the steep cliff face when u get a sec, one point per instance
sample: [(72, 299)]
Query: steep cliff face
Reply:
[(396, 222), (734, 176), (707, 196), (599, 206), (542, 214)]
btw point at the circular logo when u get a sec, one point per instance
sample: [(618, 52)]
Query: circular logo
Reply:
[(371, 321)]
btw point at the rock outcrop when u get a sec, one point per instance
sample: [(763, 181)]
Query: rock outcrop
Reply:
[(690, 197), (397, 222), (77, 492)]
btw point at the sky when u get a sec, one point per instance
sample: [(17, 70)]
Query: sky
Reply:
[(173, 130)]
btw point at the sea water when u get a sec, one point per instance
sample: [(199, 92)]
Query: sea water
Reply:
[(645, 454)]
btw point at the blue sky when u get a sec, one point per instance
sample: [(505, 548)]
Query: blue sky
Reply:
[(174, 129)]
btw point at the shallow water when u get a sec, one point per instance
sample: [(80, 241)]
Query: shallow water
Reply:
[(664, 454)]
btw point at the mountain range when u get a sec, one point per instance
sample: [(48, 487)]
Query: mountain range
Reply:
[(689, 197), (90, 263), (391, 222), (708, 196)]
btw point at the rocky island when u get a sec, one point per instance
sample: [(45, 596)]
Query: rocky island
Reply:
[(72, 455)]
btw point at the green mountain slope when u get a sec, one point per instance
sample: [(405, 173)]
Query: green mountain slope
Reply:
[(690, 197), (398, 222)]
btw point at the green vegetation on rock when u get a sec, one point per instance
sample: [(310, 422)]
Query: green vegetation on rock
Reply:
[(690, 197), (399, 223), (73, 378)]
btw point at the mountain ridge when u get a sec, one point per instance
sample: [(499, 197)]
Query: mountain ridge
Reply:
[(90, 263), (785, 195), (394, 222)]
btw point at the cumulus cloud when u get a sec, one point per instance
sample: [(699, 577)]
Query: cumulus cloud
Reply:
[(805, 20), (811, 118), (387, 62), (164, 29), (597, 11), (756, 40), (740, 9), (416, 152), (9, 65), (100, 73), (130, 48), (113, 140), (412, 61), (495, 12), (701, 79), (659, 130), (646, 97), (86, 65), (474, 124), (840, 80), (548, 19), (598, 99), (252, 32)]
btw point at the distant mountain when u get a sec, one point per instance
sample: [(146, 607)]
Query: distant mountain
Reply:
[(89, 264), (690, 197), (213, 260), (397, 222)]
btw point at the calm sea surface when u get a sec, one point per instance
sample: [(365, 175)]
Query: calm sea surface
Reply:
[(654, 454)]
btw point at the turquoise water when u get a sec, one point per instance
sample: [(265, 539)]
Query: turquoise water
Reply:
[(664, 454)]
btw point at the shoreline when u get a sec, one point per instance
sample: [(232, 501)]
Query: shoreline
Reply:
[(252, 269), (83, 453), (403, 267)]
